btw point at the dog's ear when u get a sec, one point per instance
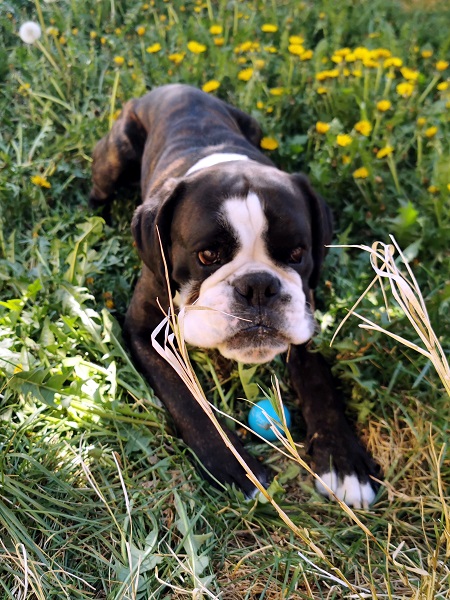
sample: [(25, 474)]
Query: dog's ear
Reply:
[(151, 225), (321, 225), (117, 156)]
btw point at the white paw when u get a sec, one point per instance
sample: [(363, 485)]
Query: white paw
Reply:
[(349, 489)]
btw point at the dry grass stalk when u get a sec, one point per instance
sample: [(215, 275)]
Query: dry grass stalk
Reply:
[(408, 296)]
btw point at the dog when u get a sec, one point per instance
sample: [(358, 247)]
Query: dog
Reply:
[(244, 242)]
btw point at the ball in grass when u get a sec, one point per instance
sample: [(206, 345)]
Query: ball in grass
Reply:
[(259, 422)]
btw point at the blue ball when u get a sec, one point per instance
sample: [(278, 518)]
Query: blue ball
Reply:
[(260, 424)]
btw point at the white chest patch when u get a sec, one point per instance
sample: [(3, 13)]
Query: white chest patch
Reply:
[(215, 159)]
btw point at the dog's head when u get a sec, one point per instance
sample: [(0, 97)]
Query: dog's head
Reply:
[(243, 245)]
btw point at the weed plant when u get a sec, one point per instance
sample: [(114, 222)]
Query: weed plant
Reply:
[(98, 498)]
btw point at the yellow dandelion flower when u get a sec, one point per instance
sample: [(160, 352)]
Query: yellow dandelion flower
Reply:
[(433, 189), (321, 75), (119, 60), (53, 31), (370, 63), (343, 52), (361, 173), (421, 121), (384, 105), (23, 89), (409, 74), (269, 143), (245, 74), (350, 57), (322, 90), (322, 127), (176, 57), (361, 53), (103, 41), (260, 105), (441, 65), (431, 132), (427, 53), (393, 61), (346, 159), (386, 151), (216, 30), (277, 91), (448, 187), (357, 73), (343, 140), (260, 63), (307, 55), (381, 53), (211, 85), (156, 47), (363, 127), (40, 181), (75, 31), (328, 74), (62, 40), (270, 49), (93, 35), (219, 41), (444, 85), (337, 59), (405, 89), (196, 47), (140, 30), (269, 28), (241, 60), (243, 47), (296, 49), (296, 40)]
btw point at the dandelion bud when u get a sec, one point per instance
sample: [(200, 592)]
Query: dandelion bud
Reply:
[(29, 32)]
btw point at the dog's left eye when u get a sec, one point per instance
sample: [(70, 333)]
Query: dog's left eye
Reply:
[(208, 257), (296, 255)]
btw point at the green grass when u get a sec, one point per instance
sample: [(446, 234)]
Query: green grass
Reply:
[(97, 499)]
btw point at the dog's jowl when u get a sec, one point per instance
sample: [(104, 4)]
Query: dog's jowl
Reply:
[(242, 239)]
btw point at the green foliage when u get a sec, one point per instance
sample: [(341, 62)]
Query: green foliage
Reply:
[(87, 473)]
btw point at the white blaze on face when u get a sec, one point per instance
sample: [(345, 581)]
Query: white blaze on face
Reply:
[(215, 318)]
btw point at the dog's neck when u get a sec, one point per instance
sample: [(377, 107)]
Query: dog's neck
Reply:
[(214, 159)]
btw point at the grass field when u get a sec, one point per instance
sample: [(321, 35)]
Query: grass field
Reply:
[(97, 499)]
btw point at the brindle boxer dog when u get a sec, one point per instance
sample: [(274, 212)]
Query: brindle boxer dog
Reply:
[(244, 241)]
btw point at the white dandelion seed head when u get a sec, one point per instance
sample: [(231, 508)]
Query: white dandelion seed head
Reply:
[(29, 32)]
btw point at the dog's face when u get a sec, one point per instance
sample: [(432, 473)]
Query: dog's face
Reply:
[(243, 244)]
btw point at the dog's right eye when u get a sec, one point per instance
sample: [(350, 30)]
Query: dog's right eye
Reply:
[(208, 257)]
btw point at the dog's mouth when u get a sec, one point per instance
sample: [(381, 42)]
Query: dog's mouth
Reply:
[(258, 343)]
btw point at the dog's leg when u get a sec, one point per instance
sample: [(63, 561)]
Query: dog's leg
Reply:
[(218, 464), (117, 157), (338, 456)]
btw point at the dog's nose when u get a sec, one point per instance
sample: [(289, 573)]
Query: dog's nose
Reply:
[(258, 289)]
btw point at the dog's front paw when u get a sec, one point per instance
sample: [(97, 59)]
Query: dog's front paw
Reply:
[(219, 465), (345, 467)]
